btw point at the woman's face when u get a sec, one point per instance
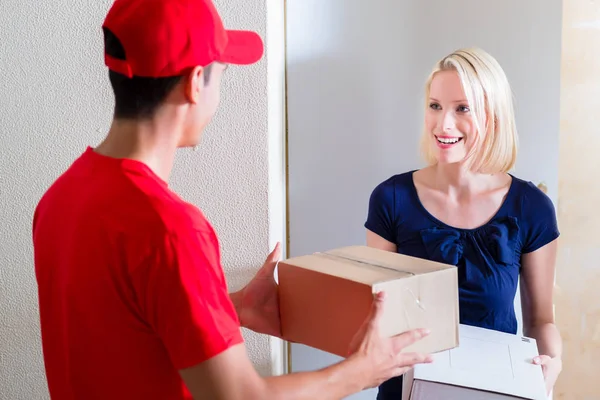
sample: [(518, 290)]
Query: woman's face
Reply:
[(448, 119)]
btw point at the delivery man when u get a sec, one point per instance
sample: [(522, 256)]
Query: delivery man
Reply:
[(133, 299)]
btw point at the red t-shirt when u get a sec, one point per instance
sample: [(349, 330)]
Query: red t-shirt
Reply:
[(131, 287)]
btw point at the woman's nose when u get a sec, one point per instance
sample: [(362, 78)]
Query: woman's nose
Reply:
[(448, 121)]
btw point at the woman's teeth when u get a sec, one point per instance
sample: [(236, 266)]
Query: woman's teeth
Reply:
[(448, 140)]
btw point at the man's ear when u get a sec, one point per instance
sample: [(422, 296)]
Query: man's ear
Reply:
[(194, 84)]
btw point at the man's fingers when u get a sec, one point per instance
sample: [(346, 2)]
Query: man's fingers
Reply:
[(407, 338), (275, 255), (271, 262), (411, 359), (376, 310), (401, 371), (408, 361)]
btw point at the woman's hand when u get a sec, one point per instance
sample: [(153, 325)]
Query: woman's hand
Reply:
[(551, 367)]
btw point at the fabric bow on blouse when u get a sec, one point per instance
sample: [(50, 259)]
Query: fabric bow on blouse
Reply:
[(478, 251)]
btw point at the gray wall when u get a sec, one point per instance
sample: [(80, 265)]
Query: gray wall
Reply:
[(356, 73)]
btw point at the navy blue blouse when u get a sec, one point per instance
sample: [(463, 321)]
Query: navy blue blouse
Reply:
[(488, 257)]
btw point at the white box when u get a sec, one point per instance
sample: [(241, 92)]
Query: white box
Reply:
[(487, 365)]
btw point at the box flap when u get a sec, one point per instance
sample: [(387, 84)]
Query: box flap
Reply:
[(365, 264), (488, 360), (393, 261)]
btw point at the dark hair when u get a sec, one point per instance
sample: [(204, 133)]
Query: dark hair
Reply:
[(138, 97)]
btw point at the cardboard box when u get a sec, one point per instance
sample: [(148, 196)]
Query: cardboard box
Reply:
[(487, 365), (325, 298)]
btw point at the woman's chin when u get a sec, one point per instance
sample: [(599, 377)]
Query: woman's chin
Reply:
[(447, 161)]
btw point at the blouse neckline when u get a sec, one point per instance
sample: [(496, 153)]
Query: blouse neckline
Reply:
[(415, 194)]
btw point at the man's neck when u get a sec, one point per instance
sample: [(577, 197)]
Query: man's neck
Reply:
[(150, 142)]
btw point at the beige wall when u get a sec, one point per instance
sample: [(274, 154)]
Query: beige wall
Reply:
[(55, 100), (578, 275)]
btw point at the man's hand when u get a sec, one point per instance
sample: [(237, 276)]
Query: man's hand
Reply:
[(258, 302), (383, 357), (230, 375)]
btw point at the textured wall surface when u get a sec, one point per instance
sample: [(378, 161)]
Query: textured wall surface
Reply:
[(54, 101), (578, 275)]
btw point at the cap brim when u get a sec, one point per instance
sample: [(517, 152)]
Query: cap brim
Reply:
[(243, 48)]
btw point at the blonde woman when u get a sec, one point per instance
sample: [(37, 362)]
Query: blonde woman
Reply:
[(467, 210)]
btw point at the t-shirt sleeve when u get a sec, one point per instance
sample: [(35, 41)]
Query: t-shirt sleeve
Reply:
[(542, 222), (380, 215), (184, 297)]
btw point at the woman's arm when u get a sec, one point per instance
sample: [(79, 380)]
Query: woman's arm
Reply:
[(376, 241), (537, 288)]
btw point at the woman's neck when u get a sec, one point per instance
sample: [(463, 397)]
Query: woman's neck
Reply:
[(458, 181)]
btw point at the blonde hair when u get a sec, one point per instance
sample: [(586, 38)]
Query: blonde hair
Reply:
[(490, 100)]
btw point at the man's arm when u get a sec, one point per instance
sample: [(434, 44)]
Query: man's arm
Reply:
[(230, 375), (185, 300), (237, 301)]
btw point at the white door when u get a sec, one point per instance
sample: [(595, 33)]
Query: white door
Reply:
[(356, 71)]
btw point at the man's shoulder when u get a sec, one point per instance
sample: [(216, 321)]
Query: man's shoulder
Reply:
[(176, 216), (162, 213), (131, 202)]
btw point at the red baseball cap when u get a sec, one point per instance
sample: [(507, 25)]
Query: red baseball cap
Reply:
[(163, 38)]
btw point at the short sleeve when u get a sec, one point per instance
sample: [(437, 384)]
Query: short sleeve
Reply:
[(184, 297), (541, 220), (380, 215)]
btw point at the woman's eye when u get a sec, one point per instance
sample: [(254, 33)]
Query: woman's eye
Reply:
[(435, 106), (463, 109)]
